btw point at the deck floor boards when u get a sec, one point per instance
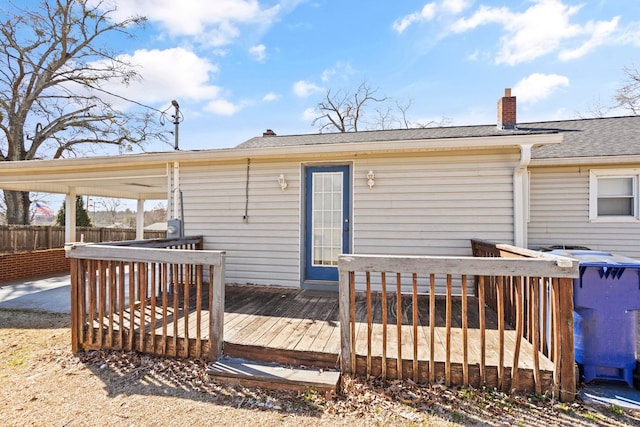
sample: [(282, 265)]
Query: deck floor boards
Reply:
[(292, 319)]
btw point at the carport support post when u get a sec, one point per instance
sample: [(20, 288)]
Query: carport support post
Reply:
[(70, 217), (140, 220)]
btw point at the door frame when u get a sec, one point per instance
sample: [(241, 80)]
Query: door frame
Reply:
[(323, 283)]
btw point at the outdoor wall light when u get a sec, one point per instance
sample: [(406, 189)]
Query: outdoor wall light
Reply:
[(282, 182), (371, 179)]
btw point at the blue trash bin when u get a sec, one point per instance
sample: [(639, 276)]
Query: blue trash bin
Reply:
[(606, 297)]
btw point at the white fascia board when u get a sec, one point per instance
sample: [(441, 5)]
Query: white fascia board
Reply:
[(134, 161), (598, 160)]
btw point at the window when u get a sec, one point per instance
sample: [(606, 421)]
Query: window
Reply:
[(614, 195)]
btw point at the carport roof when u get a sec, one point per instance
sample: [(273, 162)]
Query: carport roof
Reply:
[(96, 176)]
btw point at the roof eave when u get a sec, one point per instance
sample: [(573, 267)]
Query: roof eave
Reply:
[(592, 160), (226, 154)]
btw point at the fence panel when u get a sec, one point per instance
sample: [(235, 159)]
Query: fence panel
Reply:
[(25, 238)]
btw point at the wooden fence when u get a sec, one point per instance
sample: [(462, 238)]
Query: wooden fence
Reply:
[(24, 238), (534, 295), (163, 297)]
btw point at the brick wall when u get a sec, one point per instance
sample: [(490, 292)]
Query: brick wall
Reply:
[(25, 265)]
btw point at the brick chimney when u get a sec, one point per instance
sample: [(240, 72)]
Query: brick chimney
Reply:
[(268, 132), (507, 111)]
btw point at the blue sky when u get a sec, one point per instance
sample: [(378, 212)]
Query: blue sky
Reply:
[(238, 67)]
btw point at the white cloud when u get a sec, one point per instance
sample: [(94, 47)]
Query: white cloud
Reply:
[(309, 114), (222, 107), (303, 89), (537, 87), (258, 52), (427, 13), (270, 97), (454, 6), (341, 70), (600, 33), (473, 56), (175, 73), (214, 22), (543, 28)]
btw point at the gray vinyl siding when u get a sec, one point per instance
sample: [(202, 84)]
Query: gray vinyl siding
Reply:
[(433, 204), (265, 248), (559, 214), (424, 204)]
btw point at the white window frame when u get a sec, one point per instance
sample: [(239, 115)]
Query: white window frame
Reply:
[(594, 175)]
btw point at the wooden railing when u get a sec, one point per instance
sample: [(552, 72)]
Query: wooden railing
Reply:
[(542, 307), (407, 349), (187, 242), (148, 297)]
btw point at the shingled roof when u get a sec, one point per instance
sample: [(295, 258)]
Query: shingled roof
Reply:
[(611, 136)]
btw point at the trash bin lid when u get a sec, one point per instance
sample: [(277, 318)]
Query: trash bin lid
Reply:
[(599, 258)]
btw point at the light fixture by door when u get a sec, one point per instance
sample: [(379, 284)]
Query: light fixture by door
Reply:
[(283, 182), (371, 179)]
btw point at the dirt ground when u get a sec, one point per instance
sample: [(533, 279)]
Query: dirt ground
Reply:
[(43, 384)]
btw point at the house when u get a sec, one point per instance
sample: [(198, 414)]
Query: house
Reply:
[(279, 210), (284, 207), (584, 191)]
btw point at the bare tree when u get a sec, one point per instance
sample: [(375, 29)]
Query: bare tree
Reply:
[(343, 111), (363, 109), (628, 96), (595, 109), (409, 124), (111, 206), (52, 66)]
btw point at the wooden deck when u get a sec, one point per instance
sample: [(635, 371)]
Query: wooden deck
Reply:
[(517, 334), (297, 327)]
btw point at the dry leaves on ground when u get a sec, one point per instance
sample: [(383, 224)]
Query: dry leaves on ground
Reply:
[(42, 383)]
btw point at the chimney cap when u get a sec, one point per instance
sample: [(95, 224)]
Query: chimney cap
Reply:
[(507, 91), (268, 132)]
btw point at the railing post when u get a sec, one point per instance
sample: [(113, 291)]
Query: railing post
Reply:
[(567, 356), (344, 291), (216, 305), (75, 321)]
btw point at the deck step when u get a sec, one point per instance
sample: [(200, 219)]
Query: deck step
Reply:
[(273, 376)]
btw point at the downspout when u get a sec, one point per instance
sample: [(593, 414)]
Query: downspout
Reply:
[(519, 197)]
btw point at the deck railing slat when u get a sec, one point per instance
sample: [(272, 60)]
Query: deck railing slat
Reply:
[(383, 284), (447, 366), (535, 304), (399, 323), (483, 327), (369, 323), (501, 315), (414, 306), (112, 301), (465, 337), (519, 315), (432, 327)]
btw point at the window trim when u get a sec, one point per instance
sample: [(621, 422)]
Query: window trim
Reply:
[(594, 175)]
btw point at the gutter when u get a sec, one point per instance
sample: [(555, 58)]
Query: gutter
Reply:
[(520, 188)]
